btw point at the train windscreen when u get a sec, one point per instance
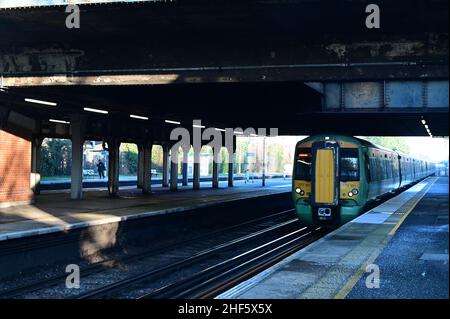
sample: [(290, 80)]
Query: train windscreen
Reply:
[(349, 164), (303, 168)]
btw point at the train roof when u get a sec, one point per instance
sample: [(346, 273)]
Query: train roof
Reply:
[(365, 143)]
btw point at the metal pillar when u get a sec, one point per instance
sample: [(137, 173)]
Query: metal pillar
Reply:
[(146, 168), (174, 170), (230, 169), (231, 158), (35, 178), (196, 177), (215, 168), (113, 167), (140, 170), (185, 168), (76, 185), (165, 173)]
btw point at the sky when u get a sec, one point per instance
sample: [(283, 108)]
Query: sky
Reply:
[(435, 149)]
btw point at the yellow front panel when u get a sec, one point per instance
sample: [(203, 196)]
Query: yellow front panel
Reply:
[(324, 177)]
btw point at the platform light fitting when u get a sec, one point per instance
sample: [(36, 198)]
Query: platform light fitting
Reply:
[(426, 126), (58, 121), (198, 126), (238, 132), (424, 122), (172, 122), (254, 135), (40, 102), (220, 129), (89, 109), (139, 117)]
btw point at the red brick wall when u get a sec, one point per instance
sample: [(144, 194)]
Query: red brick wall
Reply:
[(15, 168)]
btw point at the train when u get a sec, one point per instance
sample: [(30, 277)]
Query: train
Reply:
[(335, 177)]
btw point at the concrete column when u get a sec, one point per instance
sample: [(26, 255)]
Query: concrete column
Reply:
[(147, 168), (196, 177), (76, 185), (165, 173), (215, 170), (113, 167), (140, 170), (185, 168), (174, 170), (35, 178), (230, 169)]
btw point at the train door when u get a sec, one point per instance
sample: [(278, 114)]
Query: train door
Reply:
[(325, 182)]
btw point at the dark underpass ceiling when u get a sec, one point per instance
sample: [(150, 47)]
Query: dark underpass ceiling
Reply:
[(231, 64), (292, 107)]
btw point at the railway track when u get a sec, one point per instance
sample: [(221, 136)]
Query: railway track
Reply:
[(211, 281), (283, 218), (217, 258)]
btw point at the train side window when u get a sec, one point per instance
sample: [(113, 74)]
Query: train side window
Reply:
[(367, 168), (349, 164), (374, 169), (303, 167)]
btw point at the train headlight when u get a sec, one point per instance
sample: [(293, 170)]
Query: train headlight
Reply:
[(298, 190), (350, 194), (355, 191)]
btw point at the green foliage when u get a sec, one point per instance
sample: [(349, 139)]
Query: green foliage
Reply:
[(393, 143), (56, 157), (157, 158), (128, 159)]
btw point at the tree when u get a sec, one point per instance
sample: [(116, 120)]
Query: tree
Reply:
[(56, 157), (128, 159), (393, 143)]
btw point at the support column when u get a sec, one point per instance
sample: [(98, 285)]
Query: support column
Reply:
[(113, 167), (185, 167), (174, 170), (165, 172), (231, 148), (230, 169), (76, 185), (35, 178), (147, 168), (140, 168), (196, 177), (215, 170)]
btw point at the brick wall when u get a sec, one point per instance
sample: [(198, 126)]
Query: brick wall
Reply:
[(15, 168)]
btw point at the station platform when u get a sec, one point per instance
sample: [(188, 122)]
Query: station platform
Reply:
[(54, 211), (398, 249)]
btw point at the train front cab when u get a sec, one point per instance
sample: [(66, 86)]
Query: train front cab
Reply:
[(327, 186)]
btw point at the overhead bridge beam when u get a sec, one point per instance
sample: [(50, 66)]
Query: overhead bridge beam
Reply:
[(399, 96)]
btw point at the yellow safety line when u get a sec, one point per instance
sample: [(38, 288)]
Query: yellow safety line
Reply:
[(355, 278), (392, 232)]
